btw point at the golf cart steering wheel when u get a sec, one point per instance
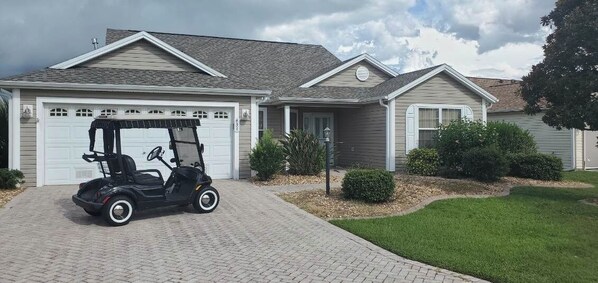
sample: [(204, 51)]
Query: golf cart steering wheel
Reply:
[(154, 153)]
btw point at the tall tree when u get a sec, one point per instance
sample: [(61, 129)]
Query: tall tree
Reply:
[(565, 83)]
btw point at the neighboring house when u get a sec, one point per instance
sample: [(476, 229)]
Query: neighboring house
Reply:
[(576, 148), (237, 88)]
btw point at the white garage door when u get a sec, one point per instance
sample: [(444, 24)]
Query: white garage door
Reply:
[(66, 139)]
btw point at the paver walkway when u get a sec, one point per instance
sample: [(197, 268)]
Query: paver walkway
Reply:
[(252, 236)]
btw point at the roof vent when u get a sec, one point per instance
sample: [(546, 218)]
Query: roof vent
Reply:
[(362, 73)]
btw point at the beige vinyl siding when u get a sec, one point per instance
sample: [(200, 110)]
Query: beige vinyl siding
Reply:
[(548, 139), (361, 138), (28, 126), (141, 55), (347, 77), (440, 89)]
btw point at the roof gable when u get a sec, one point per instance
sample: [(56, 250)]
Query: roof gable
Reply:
[(133, 39), (451, 73), (348, 77), (347, 64)]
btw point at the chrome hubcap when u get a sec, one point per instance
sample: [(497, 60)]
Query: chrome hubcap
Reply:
[(118, 210), (205, 200)]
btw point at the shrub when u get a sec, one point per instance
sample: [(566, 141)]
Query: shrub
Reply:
[(267, 157), (511, 139), (9, 179), (370, 185), (537, 166), (423, 161), (454, 139), (304, 153), (449, 172), (485, 164)]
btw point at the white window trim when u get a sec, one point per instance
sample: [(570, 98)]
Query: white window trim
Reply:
[(40, 127), (466, 113), (265, 127)]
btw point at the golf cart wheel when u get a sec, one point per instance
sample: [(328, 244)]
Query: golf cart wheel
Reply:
[(93, 213), (118, 210), (206, 200)]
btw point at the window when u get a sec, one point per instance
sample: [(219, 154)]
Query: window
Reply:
[(108, 112), (58, 112), (132, 112), (262, 121), (178, 113), (84, 113), (430, 119), (200, 114), (221, 115), (155, 112)]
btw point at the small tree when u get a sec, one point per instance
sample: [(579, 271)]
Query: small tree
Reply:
[(565, 83), (267, 157)]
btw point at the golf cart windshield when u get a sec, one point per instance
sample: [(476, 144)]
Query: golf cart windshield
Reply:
[(186, 147)]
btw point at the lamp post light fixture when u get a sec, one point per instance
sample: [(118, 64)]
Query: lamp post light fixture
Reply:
[(327, 141)]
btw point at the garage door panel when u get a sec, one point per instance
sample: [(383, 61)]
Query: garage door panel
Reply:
[(66, 139)]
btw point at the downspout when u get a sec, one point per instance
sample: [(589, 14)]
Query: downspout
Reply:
[(380, 101)]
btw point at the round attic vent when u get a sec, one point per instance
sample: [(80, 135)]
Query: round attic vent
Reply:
[(362, 73)]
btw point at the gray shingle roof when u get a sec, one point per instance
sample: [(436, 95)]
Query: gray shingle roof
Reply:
[(128, 77), (261, 64)]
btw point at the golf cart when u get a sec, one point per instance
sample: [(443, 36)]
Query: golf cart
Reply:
[(124, 189)]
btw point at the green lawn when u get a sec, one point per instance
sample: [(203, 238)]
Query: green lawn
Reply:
[(533, 235)]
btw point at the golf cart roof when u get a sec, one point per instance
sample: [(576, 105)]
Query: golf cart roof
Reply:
[(112, 122)]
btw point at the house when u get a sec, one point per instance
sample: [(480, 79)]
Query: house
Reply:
[(238, 88), (576, 148)]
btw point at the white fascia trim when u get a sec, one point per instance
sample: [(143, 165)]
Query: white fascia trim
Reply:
[(131, 39), (452, 73), (40, 128), (14, 130), (373, 61), (315, 100), (134, 88)]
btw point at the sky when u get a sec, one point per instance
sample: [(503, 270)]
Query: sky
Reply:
[(483, 38)]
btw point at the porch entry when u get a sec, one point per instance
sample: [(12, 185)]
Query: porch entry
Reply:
[(316, 122)]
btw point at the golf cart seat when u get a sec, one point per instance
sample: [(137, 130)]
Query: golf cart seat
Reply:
[(140, 176)]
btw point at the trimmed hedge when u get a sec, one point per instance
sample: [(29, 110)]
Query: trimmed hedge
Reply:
[(485, 164), (9, 179), (537, 166), (511, 139), (370, 185), (423, 161), (267, 157)]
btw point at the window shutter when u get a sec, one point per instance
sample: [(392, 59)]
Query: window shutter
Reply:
[(467, 113), (410, 141)]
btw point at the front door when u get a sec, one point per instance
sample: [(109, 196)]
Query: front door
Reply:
[(316, 122)]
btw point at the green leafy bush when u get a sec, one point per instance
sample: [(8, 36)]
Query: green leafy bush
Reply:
[(423, 161), (370, 185), (454, 139), (511, 139), (9, 179), (537, 166), (267, 157), (485, 164), (304, 153)]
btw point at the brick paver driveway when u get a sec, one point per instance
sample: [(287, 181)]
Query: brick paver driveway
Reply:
[(252, 236)]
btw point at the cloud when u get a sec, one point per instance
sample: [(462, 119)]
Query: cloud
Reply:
[(478, 37)]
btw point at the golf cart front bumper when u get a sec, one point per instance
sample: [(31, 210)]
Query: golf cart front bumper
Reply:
[(88, 205)]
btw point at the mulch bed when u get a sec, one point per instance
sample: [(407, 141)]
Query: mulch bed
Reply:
[(7, 195), (411, 192), (282, 179)]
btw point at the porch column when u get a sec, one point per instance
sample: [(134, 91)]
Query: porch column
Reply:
[(287, 119)]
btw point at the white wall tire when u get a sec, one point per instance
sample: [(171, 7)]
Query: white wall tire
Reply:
[(118, 211), (206, 200)]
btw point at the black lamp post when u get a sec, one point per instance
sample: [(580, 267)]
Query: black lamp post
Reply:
[(327, 141)]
